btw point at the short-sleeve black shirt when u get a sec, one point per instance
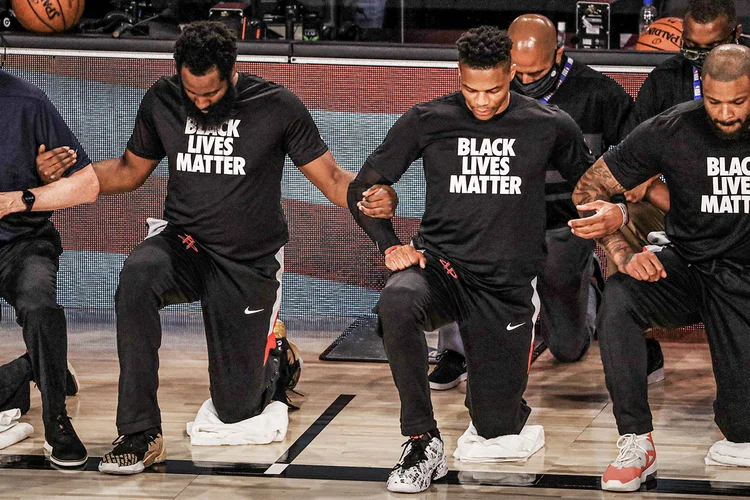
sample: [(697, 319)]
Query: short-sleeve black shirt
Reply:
[(708, 178), (29, 120), (484, 205), (224, 185), (668, 84), (600, 107)]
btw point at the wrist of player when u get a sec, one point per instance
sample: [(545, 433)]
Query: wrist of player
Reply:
[(625, 214)]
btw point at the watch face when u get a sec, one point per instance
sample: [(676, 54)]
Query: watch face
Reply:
[(28, 199)]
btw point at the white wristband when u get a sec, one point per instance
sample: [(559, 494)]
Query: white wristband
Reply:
[(624, 211)]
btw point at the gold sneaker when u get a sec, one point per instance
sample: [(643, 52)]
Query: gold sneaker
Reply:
[(133, 453), (291, 372)]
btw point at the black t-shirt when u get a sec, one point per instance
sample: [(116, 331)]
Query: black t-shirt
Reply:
[(708, 178), (29, 120), (668, 84), (225, 185), (600, 107), (484, 202)]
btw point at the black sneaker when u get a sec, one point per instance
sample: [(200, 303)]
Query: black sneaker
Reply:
[(422, 462), (449, 372), (655, 364), (63, 445), (133, 453), (290, 364)]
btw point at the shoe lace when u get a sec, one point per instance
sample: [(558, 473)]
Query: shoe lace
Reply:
[(65, 425), (630, 449), (130, 442), (414, 451)]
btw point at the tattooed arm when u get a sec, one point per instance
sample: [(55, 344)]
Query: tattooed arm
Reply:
[(592, 194)]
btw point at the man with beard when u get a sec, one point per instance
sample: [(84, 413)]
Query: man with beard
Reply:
[(226, 135), (702, 148), (706, 24)]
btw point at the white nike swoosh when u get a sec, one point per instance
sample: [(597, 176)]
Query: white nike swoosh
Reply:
[(248, 311), (509, 328)]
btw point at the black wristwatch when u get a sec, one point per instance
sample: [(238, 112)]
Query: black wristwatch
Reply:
[(28, 199)]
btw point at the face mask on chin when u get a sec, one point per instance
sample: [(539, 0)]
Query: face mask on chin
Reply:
[(538, 88)]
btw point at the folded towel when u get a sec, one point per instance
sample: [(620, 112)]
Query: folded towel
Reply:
[(11, 430), (207, 430), (514, 447), (9, 418), (729, 454)]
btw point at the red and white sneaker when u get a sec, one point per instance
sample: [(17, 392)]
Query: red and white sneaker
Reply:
[(635, 464)]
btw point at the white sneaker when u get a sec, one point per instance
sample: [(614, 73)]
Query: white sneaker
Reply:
[(422, 462), (635, 464)]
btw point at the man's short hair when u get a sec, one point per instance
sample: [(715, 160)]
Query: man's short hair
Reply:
[(203, 45), (707, 11), (727, 63), (484, 47)]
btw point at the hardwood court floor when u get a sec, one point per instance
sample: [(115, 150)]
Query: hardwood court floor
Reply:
[(345, 437)]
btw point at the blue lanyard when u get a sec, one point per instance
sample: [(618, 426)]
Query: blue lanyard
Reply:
[(697, 90), (563, 75)]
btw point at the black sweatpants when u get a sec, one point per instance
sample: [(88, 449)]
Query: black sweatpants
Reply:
[(497, 329), (28, 282), (564, 288), (717, 293), (240, 303), (567, 294)]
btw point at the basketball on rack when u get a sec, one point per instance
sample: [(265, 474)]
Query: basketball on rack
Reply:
[(662, 34), (48, 16)]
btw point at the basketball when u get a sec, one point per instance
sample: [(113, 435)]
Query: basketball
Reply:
[(48, 16), (662, 34)]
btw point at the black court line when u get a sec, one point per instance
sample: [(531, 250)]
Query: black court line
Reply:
[(316, 428), (380, 474)]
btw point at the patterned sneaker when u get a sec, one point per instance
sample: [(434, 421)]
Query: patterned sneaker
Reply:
[(63, 446), (133, 453), (71, 381), (290, 364), (293, 358), (422, 462), (655, 365), (635, 464), (449, 372)]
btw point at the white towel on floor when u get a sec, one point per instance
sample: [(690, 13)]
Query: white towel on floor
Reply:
[(269, 426), (9, 418), (729, 454), (11, 430), (511, 448)]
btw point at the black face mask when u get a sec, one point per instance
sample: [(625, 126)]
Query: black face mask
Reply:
[(698, 56), (539, 88), (695, 56)]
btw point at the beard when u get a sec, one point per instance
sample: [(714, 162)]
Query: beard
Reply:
[(742, 133), (216, 114)]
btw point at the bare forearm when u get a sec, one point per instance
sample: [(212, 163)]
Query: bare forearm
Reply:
[(81, 187), (658, 195), (338, 192), (115, 176), (597, 183)]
